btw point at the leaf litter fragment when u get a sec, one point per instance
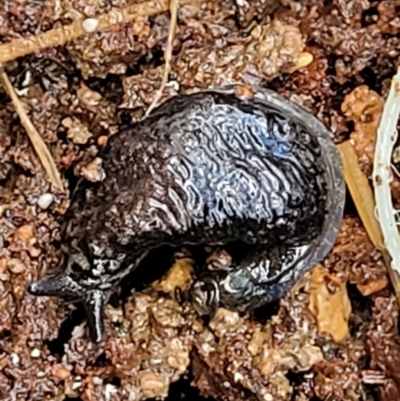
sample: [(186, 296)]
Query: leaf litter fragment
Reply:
[(331, 309)]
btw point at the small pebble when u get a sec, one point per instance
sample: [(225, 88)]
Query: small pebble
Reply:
[(110, 390), (60, 371), (174, 85), (90, 24), (45, 201), (14, 358), (93, 171), (98, 381), (237, 377), (101, 140), (77, 383), (78, 331), (396, 154), (16, 266), (35, 353)]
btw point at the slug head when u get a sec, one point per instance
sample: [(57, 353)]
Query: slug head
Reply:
[(94, 301), (76, 282)]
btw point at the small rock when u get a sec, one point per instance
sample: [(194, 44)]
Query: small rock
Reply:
[(179, 276), (396, 154), (256, 342), (102, 140), (331, 310), (3, 265), (110, 390), (179, 360), (24, 240), (35, 353), (237, 377), (77, 131), (78, 331), (76, 385), (88, 98), (268, 397), (16, 266), (372, 286), (60, 371), (14, 358), (152, 384), (26, 232), (93, 171), (90, 24), (97, 381), (45, 201), (224, 321)]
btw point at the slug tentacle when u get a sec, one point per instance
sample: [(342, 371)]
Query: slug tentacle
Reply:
[(94, 301), (60, 286)]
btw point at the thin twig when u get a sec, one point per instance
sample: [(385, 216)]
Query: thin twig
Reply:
[(38, 144), (174, 6), (60, 36)]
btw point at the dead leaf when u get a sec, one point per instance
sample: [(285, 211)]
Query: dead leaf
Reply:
[(179, 276), (331, 309), (373, 286)]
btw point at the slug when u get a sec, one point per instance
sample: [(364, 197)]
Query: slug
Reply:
[(234, 167)]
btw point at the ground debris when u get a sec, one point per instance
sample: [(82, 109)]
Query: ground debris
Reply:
[(149, 342), (270, 50), (330, 304), (355, 257), (364, 107), (178, 277), (384, 346)]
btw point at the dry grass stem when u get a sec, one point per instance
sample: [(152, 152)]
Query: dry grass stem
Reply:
[(38, 144), (174, 6), (60, 36), (363, 198), (361, 193)]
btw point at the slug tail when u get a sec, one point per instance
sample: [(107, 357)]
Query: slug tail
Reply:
[(95, 303)]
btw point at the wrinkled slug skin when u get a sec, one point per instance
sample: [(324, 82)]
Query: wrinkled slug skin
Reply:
[(222, 167)]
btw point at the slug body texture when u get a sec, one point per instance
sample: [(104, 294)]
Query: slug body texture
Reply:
[(216, 168)]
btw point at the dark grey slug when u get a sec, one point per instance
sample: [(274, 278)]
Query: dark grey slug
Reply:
[(223, 167)]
